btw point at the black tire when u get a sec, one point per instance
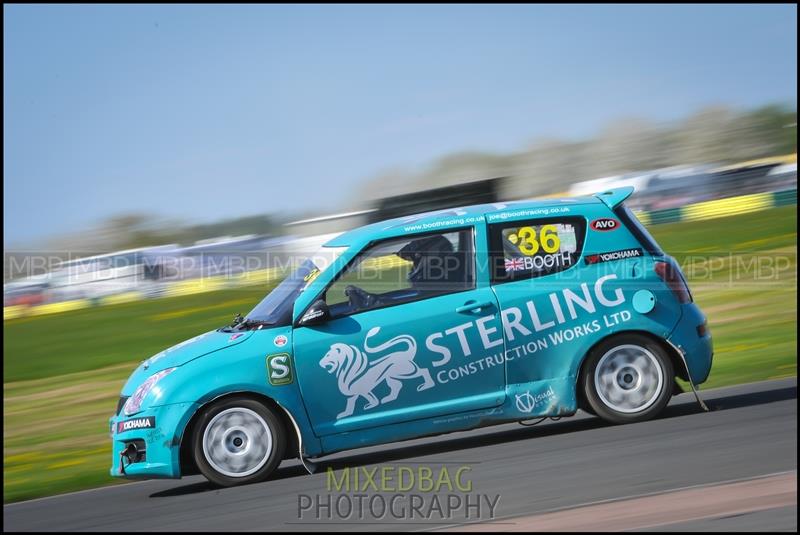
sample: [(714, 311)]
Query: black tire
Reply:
[(635, 382), (261, 441), (585, 407)]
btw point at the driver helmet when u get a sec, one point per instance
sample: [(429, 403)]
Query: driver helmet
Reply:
[(427, 255)]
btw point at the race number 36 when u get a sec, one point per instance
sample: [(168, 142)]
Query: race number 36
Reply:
[(279, 369), (529, 243)]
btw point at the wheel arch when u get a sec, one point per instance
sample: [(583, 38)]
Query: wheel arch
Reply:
[(678, 364), (186, 459)]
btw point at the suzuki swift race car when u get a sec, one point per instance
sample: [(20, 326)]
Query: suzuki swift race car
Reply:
[(421, 325)]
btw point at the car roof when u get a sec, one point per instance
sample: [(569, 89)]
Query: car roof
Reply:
[(448, 218)]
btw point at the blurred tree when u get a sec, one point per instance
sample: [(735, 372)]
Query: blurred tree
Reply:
[(715, 134), (256, 224), (135, 230), (463, 166), (771, 129), (626, 145), (704, 137)]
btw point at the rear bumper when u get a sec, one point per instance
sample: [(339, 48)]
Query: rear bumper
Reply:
[(697, 348), (162, 442)]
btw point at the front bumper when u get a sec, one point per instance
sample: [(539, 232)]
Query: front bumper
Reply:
[(162, 441), (698, 350)]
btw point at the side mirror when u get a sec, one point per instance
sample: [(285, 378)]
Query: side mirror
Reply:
[(316, 314)]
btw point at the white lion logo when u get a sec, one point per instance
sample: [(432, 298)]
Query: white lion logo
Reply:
[(357, 376)]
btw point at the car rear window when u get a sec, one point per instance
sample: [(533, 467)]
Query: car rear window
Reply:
[(533, 248), (633, 224)]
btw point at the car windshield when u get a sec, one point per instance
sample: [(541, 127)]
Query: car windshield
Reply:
[(276, 307)]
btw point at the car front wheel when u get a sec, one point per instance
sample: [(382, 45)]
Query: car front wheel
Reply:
[(628, 379), (238, 441)]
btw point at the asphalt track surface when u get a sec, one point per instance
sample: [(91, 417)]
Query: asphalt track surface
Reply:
[(751, 432)]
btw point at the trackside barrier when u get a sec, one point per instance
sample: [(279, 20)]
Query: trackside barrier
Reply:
[(49, 308), (14, 311), (692, 212), (258, 276), (721, 207), (195, 286), (785, 198), (124, 297), (727, 207)]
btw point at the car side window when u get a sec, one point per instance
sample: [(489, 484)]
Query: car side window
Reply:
[(532, 248), (401, 270)]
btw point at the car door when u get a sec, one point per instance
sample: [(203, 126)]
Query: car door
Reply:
[(548, 309), (407, 338)]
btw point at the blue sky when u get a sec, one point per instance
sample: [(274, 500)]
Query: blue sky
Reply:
[(209, 112)]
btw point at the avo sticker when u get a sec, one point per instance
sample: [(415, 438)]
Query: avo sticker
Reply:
[(279, 369), (280, 340), (605, 224)]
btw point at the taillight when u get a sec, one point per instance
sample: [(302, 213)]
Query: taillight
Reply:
[(702, 329), (671, 275)]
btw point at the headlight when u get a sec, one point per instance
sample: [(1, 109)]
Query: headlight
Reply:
[(134, 402)]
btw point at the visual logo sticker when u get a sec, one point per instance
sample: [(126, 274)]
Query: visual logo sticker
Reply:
[(527, 402), (280, 340)]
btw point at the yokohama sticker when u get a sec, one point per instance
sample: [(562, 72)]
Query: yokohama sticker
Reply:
[(613, 255), (148, 422)]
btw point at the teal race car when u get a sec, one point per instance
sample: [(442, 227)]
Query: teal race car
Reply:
[(421, 325)]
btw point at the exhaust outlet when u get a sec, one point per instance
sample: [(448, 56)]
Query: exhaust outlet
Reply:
[(131, 452)]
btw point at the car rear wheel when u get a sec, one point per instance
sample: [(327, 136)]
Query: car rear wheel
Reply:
[(628, 379), (238, 441)]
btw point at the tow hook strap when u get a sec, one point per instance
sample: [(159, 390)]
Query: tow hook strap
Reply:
[(689, 375), (122, 462), (699, 400)]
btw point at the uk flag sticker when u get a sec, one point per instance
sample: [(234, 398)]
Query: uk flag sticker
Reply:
[(515, 264)]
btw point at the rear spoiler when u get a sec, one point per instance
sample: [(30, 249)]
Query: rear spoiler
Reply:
[(614, 197)]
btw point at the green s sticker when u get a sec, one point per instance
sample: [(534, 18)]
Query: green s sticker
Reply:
[(279, 369)]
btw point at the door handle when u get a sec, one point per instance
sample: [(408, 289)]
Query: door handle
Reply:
[(471, 306)]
